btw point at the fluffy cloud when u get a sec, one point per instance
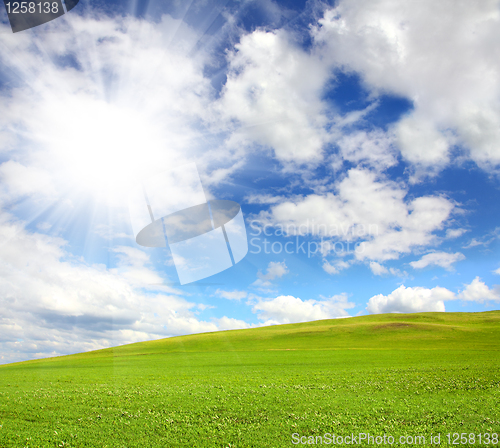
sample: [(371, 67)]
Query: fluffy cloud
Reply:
[(231, 295), (443, 259), (273, 89), (229, 323), (275, 269), (336, 267), (478, 291), (421, 143), (418, 299), (374, 149), (367, 210), (410, 300), (18, 181), (289, 309), (455, 233), (443, 56), (134, 266), (377, 268)]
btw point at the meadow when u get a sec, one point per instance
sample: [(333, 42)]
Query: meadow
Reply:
[(396, 374)]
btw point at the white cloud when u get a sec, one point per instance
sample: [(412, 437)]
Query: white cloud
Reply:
[(377, 268), (474, 242), (455, 233), (497, 271), (228, 323), (398, 272), (273, 89), (478, 291), (484, 240), (421, 143), (368, 210), (410, 300), (261, 199), (275, 269), (336, 267), (134, 265), (231, 295), (373, 148), (18, 181), (424, 216), (439, 55), (443, 259), (418, 299), (289, 309)]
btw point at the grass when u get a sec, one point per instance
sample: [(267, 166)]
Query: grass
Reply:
[(414, 374)]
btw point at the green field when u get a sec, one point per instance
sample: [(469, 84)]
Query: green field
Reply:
[(393, 374)]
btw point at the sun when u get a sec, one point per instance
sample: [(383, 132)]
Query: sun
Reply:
[(100, 147)]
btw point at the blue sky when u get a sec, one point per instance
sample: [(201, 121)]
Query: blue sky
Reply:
[(369, 129)]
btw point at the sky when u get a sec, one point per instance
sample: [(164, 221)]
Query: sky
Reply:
[(361, 139)]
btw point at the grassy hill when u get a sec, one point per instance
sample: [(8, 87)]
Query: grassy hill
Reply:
[(393, 374)]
